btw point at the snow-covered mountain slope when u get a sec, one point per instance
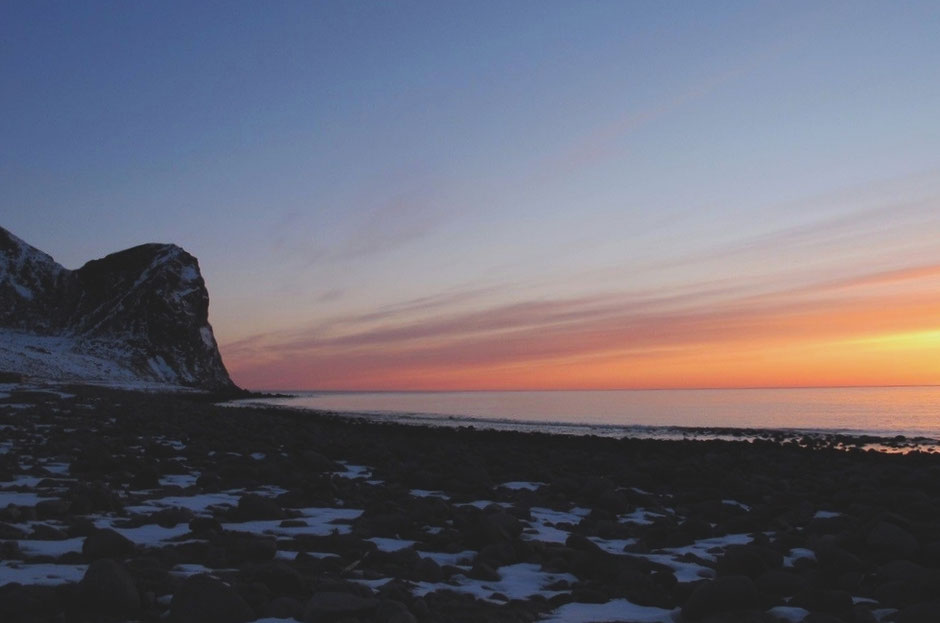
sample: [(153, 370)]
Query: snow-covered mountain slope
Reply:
[(29, 284), (136, 315)]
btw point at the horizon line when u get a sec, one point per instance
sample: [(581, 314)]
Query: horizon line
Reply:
[(584, 389)]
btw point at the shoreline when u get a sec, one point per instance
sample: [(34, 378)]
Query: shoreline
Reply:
[(841, 438), (276, 515)]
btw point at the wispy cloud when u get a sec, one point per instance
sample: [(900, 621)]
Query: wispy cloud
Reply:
[(386, 228), (486, 334), (826, 232), (302, 239), (539, 334)]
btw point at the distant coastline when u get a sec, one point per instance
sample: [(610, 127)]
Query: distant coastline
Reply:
[(879, 414)]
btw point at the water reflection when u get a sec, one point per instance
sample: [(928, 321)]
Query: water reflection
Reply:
[(874, 411)]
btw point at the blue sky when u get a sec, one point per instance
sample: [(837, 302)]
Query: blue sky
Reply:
[(407, 160)]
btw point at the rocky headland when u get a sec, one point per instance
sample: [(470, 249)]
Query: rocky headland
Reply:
[(132, 318)]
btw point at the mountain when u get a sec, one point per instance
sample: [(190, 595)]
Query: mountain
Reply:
[(135, 316)]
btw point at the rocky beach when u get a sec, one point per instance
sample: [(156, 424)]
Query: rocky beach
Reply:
[(521, 312), (135, 506)]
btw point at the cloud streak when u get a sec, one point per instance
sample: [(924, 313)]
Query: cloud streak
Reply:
[(470, 350)]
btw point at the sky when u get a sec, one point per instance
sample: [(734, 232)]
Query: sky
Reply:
[(501, 195)]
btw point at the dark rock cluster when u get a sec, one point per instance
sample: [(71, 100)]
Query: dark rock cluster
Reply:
[(434, 530)]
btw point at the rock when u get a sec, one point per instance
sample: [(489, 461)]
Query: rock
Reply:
[(829, 601), (107, 588), (253, 506), (748, 560), (9, 550), (205, 526), (390, 611), (861, 613), (52, 508), (255, 594), (43, 532), (80, 526), (584, 544), (931, 553), (780, 583), (906, 592), (203, 599), (725, 594), (384, 524), (250, 549), (589, 596), (284, 608), (97, 496), (314, 462), (919, 613), (9, 531), (900, 570), (822, 617), (492, 528), (106, 543), (482, 571), (145, 477), (325, 607), (170, 517), (209, 482), (28, 604), (889, 541), (280, 578), (834, 558), (429, 570), (150, 574)]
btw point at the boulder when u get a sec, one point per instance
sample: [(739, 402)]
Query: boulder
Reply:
[(919, 613), (326, 607), (280, 578), (170, 517), (107, 588), (890, 542), (496, 527), (204, 599), (250, 549), (725, 594), (780, 582), (43, 532), (106, 543), (390, 611), (482, 571), (253, 506), (284, 608), (831, 601), (28, 604), (749, 560)]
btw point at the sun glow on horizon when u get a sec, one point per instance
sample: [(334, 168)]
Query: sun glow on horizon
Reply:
[(775, 340), (546, 194)]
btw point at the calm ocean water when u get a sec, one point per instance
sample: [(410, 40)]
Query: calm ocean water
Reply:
[(879, 411)]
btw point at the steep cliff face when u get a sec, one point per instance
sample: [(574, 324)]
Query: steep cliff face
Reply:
[(31, 283), (139, 314)]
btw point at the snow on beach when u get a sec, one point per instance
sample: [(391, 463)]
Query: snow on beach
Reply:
[(525, 539)]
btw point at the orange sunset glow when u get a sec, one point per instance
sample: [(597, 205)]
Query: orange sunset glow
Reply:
[(872, 329), (534, 195), (516, 311)]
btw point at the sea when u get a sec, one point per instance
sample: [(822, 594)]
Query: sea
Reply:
[(881, 412)]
